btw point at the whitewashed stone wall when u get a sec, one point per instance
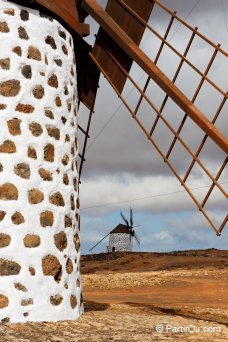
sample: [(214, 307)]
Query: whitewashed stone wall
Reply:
[(121, 242), (39, 206)]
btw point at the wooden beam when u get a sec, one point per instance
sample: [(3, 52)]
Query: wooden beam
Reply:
[(128, 45)]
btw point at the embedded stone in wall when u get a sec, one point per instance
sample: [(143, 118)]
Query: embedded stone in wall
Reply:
[(8, 192), (3, 106), (68, 221), (22, 33), (53, 81), (4, 28), (32, 271), (60, 240), (24, 108), (49, 114), (10, 88), (14, 126), (4, 301), (50, 41), (17, 50), (9, 11), (65, 179), (31, 240), (32, 153), (26, 302), (22, 170), (51, 266), (53, 132), (35, 196), (69, 266), (45, 174), (2, 215), (38, 92), (56, 300), (73, 301), (27, 71), (46, 218), (72, 202), (65, 160), (5, 63), (36, 129), (4, 240), (8, 267), (24, 15), (34, 53), (49, 153), (58, 101), (20, 287), (7, 146), (57, 199), (58, 62), (77, 242)]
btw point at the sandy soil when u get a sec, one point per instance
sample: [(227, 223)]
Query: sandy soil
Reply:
[(128, 296)]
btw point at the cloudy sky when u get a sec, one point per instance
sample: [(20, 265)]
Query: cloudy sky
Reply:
[(123, 169)]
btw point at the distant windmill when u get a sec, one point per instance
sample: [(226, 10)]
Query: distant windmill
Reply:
[(121, 237)]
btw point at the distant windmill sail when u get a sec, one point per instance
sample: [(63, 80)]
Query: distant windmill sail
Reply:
[(116, 35)]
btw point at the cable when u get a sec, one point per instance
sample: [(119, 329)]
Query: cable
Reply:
[(112, 116), (224, 13), (146, 197), (141, 77), (188, 15)]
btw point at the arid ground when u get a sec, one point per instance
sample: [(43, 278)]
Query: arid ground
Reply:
[(131, 296)]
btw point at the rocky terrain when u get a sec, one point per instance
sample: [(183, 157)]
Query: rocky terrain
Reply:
[(133, 296)]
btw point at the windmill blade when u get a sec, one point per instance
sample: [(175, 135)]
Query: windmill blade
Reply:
[(131, 217), (169, 133), (137, 239), (124, 218), (99, 242)]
